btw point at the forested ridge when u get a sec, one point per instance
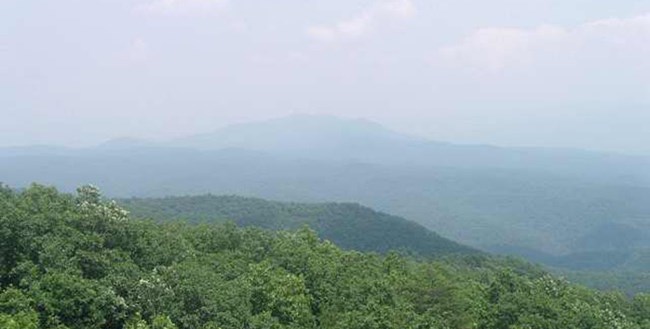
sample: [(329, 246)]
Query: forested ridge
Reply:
[(77, 261), (352, 226), (348, 225)]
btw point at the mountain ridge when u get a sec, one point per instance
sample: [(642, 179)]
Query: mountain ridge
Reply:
[(349, 225)]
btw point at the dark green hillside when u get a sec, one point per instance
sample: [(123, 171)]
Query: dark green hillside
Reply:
[(350, 226), (355, 227), (76, 262)]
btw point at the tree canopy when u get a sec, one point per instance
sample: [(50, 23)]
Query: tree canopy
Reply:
[(348, 225), (77, 261)]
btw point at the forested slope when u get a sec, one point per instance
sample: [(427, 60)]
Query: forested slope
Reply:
[(355, 227), (485, 208), (348, 225), (74, 261)]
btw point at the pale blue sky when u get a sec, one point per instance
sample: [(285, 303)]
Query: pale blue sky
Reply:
[(569, 73)]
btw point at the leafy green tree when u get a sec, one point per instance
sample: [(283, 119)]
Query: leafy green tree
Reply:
[(19, 320), (77, 261)]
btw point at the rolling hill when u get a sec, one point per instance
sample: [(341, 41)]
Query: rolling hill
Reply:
[(350, 226)]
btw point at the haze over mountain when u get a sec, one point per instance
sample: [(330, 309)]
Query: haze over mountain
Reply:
[(363, 141), (525, 201), (559, 73), (334, 139), (300, 135), (498, 146)]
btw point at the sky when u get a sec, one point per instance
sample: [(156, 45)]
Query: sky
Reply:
[(553, 73)]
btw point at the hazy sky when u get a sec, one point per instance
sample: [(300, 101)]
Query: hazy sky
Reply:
[(572, 73)]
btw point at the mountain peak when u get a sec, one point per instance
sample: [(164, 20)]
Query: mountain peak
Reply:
[(298, 132)]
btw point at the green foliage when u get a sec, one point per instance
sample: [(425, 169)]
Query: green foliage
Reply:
[(79, 262), (19, 321), (355, 227), (350, 226)]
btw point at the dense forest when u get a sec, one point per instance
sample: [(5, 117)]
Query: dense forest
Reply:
[(352, 226), (348, 225), (77, 261)]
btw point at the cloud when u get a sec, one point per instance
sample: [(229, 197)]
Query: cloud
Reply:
[(494, 49), (364, 22), (182, 7), (605, 41)]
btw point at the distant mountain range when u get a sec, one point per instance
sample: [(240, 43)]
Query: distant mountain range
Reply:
[(331, 139), (538, 203), (334, 139)]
